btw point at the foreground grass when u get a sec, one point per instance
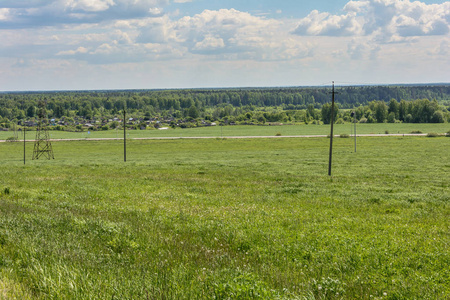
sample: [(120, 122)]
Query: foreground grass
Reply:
[(224, 131), (191, 219)]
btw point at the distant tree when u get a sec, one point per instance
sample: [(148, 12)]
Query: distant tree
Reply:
[(394, 107), (391, 117), (114, 125), (402, 110), (438, 117), (380, 111), (193, 112), (326, 113), (31, 111), (58, 112), (311, 111)]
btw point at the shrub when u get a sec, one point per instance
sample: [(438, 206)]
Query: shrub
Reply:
[(12, 139), (363, 120), (433, 134), (447, 134), (344, 136), (408, 118), (386, 132), (278, 134), (416, 131)]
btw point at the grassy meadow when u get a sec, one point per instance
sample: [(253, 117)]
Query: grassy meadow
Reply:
[(242, 130), (227, 219)]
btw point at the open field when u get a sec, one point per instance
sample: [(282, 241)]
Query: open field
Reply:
[(218, 131), (228, 219)]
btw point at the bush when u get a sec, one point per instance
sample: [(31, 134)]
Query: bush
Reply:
[(408, 118), (447, 134), (12, 139), (386, 132), (363, 120), (344, 136), (433, 134), (416, 131), (278, 134), (438, 117)]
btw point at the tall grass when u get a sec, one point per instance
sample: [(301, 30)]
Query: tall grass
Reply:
[(227, 219)]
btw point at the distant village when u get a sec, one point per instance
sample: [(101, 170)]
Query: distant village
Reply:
[(82, 124)]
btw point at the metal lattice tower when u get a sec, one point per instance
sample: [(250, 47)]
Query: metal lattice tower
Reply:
[(42, 144)]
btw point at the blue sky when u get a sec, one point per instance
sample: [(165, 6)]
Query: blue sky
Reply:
[(273, 8), (139, 44)]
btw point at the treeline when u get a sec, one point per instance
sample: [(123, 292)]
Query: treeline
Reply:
[(419, 104)]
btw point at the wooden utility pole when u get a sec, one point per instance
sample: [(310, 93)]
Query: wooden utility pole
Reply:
[(124, 136), (354, 121), (331, 135), (24, 130)]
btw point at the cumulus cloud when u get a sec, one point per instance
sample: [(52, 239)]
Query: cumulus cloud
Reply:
[(362, 50), (90, 5), (317, 23), (240, 34), (4, 14), (387, 20), (35, 13), (209, 43), (136, 31), (73, 52)]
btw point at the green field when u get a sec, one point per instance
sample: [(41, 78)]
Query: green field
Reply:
[(227, 219), (218, 131)]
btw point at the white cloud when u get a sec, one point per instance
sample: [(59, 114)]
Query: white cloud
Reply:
[(4, 14), (386, 20), (209, 43), (37, 13), (90, 5), (317, 23), (362, 50), (81, 50), (232, 34)]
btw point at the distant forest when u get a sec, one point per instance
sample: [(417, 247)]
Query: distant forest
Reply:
[(404, 103)]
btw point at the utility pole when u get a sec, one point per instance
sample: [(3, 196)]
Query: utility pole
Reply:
[(24, 130), (354, 121), (353, 114), (124, 136), (331, 135)]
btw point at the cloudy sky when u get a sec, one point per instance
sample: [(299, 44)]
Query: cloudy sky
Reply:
[(144, 44)]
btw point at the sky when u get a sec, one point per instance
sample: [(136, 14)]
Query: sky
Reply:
[(159, 44)]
